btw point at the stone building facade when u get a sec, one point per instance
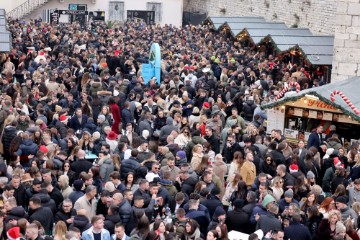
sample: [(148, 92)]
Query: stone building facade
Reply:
[(317, 15)]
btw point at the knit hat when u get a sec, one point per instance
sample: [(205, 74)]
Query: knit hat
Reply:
[(337, 162), (63, 118), (181, 154), (341, 199), (13, 233), (43, 148), (101, 117), (289, 193), (267, 199), (78, 184), (294, 168), (310, 174)]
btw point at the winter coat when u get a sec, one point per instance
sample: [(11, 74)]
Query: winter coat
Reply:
[(83, 203), (194, 141), (313, 224), (200, 217), (248, 172), (110, 221), (76, 125), (268, 222), (188, 185), (220, 170), (248, 110), (211, 203), (166, 130), (297, 231), (80, 165), (8, 135), (126, 117), (128, 165), (62, 216), (125, 211), (45, 216), (46, 201), (196, 160), (228, 152), (81, 222), (106, 167), (15, 214), (334, 143), (75, 195), (237, 220), (214, 142)]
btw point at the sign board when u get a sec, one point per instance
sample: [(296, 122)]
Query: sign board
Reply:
[(54, 18), (275, 119), (73, 12), (147, 16), (313, 104)]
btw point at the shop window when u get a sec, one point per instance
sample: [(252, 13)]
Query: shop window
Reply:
[(157, 7)]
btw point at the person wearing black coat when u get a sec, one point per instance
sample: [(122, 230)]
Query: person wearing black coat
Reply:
[(81, 222), (129, 165), (296, 230), (46, 201), (66, 211), (313, 221), (19, 192), (230, 148), (81, 165), (112, 218), (237, 219), (42, 214), (9, 133), (54, 194), (75, 124), (213, 140), (15, 213), (187, 184), (212, 201), (218, 217)]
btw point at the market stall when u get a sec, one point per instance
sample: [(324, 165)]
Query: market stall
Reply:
[(296, 114)]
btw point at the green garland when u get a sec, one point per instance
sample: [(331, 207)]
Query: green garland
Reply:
[(284, 100)]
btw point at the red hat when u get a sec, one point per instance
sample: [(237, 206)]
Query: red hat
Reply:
[(206, 105), (43, 149), (41, 53), (337, 162), (112, 135), (186, 67), (13, 233), (63, 118), (294, 168)]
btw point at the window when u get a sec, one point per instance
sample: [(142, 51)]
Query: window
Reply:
[(157, 7), (116, 11)]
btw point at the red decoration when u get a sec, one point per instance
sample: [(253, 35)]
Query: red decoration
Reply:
[(287, 89), (342, 95)]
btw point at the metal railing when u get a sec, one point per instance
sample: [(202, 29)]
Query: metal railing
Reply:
[(25, 8)]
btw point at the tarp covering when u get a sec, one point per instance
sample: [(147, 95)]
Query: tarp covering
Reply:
[(350, 88), (318, 50)]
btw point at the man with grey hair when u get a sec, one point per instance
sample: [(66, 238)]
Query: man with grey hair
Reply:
[(87, 202), (251, 202)]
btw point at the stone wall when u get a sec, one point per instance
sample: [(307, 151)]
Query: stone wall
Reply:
[(317, 15), (346, 62)]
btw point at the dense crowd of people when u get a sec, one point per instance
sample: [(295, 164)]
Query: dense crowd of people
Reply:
[(90, 151)]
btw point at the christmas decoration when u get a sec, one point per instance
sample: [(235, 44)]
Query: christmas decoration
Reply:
[(342, 95), (291, 84)]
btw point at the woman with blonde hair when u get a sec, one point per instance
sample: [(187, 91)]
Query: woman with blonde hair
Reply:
[(197, 155), (277, 187), (355, 170), (60, 230)]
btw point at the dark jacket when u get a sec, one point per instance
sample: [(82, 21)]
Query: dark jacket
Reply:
[(248, 110), (75, 195), (125, 211), (201, 219), (211, 203), (268, 222), (167, 129), (46, 201), (237, 220), (128, 165), (81, 222), (15, 214), (110, 221), (19, 195), (63, 216), (45, 216), (61, 128), (27, 147), (29, 192), (76, 125), (314, 140), (57, 196), (228, 152), (8, 135), (81, 165), (188, 185), (126, 117), (214, 142), (297, 231), (313, 224)]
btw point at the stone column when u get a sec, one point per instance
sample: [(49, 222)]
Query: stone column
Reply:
[(346, 61)]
